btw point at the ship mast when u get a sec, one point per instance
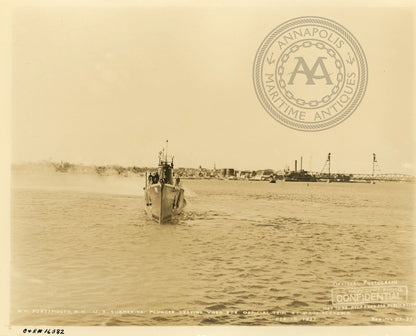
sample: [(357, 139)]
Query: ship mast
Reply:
[(166, 152), (375, 166), (327, 164)]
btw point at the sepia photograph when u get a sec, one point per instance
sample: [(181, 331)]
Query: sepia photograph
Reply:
[(210, 164)]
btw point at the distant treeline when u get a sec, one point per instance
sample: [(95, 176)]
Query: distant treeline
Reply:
[(65, 167), (68, 167)]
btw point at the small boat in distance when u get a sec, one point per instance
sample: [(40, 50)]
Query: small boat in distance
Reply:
[(163, 194)]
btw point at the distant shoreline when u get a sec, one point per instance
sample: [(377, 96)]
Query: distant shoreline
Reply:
[(204, 173)]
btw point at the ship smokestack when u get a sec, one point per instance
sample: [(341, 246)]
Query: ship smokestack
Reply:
[(296, 165)]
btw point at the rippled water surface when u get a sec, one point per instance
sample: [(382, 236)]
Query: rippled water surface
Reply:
[(243, 253)]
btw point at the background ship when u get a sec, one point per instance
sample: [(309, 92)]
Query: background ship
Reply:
[(298, 176)]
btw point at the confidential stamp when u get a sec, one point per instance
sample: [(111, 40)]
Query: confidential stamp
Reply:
[(369, 295), (310, 73)]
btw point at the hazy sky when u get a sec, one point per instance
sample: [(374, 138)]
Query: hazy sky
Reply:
[(99, 85)]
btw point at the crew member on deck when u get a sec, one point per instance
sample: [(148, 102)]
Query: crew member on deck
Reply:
[(156, 178)]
